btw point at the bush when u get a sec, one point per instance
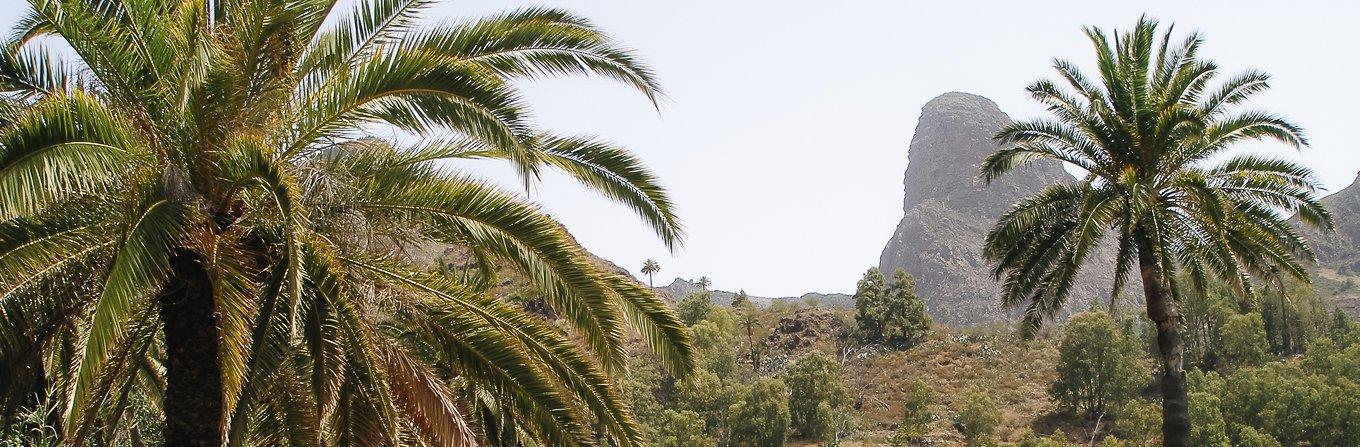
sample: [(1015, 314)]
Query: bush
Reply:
[(708, 395), (683, 428), (1057, 439), (814, 379), (833, 424), (695, 307), (916, 416), (1244, 342), (1098, 365), (761, 418), (977, 420), (1140, 424), (717, 348), (1249, 437), (1295, 407), (890, 313), (1207, 428)]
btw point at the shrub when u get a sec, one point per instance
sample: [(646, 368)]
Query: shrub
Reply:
[(1140, 424), (717, 348), (761, 418), (869, 308), (977, 420), (1250, 437), (1207, 428), (710, 396), (916, 416), (1098, 365), (833, 424), (683, 428), (695, 307), (1057, 439), (1244, 342), (814, 379), (1296, 408), (890, 313)]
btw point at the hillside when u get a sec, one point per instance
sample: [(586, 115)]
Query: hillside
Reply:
[(1338, 270)]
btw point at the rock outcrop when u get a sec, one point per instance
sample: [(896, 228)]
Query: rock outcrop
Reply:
[(1341, 249), (948, 211)]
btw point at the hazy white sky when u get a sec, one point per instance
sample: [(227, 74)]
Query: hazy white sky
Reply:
[(785, 135)]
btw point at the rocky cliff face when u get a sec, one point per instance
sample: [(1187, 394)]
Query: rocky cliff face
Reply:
[(1338, 269), (948, 210), (1341, 249)]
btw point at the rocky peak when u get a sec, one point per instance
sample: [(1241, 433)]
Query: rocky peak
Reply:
[(953, 135), (948, 210), (1340, 248)]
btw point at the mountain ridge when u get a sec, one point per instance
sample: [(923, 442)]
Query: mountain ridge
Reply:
[(680, 288)]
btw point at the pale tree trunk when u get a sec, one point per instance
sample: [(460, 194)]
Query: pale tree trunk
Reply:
[(1163, 312)]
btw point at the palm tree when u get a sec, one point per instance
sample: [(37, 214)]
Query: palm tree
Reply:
[(748, 321), (650, 267), (199, 169), (704, 282), (1154, 138)]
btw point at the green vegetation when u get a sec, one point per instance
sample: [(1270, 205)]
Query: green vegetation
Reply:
[(1098, 365), (916, 416), (816, 392), (201, 241), (1243, 338), (761, 418), (890, 313), (740, 299), (977, 420), (1154, 137), (695, 307), (201, 237)]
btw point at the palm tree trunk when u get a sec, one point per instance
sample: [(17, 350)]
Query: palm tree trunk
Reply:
[(193, 392), (1162, 311)]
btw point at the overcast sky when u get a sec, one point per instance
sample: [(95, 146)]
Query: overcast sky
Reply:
[(785, 135)]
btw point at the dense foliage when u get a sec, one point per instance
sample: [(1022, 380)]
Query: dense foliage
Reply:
[(198, 225), (890, 313), (978, 419), (695, 307), (761, 418), (816, 391), (1099, 365)]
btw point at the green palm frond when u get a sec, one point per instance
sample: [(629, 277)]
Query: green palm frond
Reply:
[(62, 147), (537, 42), (620, 176), (140, 265), (556, 352), (1155, 137), (230, 139), (460, 210)]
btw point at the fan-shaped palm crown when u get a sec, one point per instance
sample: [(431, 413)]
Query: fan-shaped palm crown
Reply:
[(200, 169), (650, 267), (1155, 138)]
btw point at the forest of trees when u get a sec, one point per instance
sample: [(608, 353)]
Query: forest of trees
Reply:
[(1247, 388)]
